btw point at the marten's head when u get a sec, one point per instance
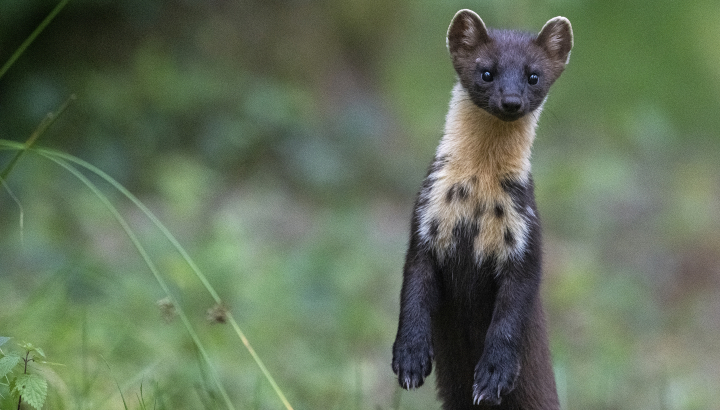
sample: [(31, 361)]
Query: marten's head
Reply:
[(508, 73)]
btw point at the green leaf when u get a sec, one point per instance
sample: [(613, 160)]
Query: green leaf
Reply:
[(29, 347), (32, 388), (39, 351), (7, 363), (11, 387), (3, 340)]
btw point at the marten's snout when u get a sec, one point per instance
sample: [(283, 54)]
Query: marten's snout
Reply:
[(509, 107), (511, 103)]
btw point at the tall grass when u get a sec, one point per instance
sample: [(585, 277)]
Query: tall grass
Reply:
[(76, 167)]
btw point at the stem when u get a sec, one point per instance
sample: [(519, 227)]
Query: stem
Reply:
[(32, 37), (27, 355), (44, 124), (26, 360)]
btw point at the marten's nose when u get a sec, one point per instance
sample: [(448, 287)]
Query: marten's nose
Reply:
[(511, 103)]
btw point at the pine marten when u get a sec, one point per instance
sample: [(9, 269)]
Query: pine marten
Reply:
[(472, 273)]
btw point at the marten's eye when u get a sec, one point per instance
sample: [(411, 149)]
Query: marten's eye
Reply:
[(486, 76), (533, 79)]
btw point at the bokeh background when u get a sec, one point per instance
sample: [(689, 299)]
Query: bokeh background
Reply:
[(283, 142)]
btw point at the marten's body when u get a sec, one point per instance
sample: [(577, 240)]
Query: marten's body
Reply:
[(473, 268)]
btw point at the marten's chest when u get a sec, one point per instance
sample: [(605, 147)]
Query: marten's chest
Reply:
[(485, 215)]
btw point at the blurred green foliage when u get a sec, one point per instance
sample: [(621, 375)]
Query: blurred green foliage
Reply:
[(283, 143)]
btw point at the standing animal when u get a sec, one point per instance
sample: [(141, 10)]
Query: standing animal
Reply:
[(470, 293)]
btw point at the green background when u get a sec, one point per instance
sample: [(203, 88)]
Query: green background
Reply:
[(283, 142)]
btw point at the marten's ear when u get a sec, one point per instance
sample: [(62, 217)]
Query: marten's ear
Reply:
[(466, 33), (556, 37)]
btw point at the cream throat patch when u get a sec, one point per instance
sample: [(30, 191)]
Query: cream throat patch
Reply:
[(466, 186)]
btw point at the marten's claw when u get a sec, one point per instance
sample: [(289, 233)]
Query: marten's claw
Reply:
[(412, 364), (493, 380)]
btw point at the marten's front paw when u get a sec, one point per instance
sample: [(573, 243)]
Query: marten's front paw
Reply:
[(494, 377), (412, 363)]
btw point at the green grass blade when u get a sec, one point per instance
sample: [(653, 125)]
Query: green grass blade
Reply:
[(51, 154), (19, 205), (39, 29), (151, 265), (116, 382)]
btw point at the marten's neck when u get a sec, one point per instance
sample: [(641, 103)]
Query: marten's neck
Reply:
[(478, 144)]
